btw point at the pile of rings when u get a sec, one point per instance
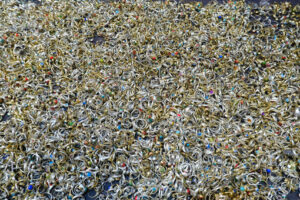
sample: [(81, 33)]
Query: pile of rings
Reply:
[(149, 100)]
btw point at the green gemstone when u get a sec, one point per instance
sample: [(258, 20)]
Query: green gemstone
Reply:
[(71, 123)]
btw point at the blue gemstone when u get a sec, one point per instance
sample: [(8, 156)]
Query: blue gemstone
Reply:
[(199, 134), (117, 11), (206, 97), (268, 171), (51, 162), (242, 189), (84, 103), (42, 63), (107, 186), (119, 127), (89, 174), (153, 189), (208, 146), (173, 54), (287, 100), (220, 17), (30, 187), (187, 144), (220, 56)]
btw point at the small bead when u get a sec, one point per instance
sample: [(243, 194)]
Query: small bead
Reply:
[(199, 134), (242, 189), (30, 187), (220, 17), (134, 52), (153, 58), (84, 103), (187, 144), (173, 54), (51, 58), (268, 171), (42, 64), (287, 100), (211, 91), (220, 56), (89, 174), (153, 189)]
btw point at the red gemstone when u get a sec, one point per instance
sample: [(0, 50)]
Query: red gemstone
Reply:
[(153, 58), (188, 191), (236, 61), (55, 101), (26, 79), (17, 35), (176, 53), (134, 52), (51, 57), (123, 165), (283, 57)]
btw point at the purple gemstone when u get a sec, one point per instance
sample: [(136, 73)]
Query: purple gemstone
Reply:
[(211, 91)]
